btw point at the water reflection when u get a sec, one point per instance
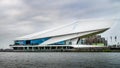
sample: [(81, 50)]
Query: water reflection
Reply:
[(59, 60)]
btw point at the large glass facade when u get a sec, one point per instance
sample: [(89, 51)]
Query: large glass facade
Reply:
[(31, 42), (20, 42), (60, 43), (38, 41)]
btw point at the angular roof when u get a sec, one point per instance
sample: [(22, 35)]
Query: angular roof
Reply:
[(76, 27)]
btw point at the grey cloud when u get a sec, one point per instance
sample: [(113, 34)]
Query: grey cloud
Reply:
[(21, 17)]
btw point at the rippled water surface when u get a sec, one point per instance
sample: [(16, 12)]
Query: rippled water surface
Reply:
[(59, 60)]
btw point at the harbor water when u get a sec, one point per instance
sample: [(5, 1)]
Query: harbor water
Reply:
[(59, 60)]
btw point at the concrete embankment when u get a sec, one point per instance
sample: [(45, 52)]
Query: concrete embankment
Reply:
[(94, 49)]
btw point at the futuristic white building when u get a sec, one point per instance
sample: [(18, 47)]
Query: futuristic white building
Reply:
[(63, 37)]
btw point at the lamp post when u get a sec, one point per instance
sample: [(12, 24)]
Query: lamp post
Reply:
[(111, 39), (116, 41)]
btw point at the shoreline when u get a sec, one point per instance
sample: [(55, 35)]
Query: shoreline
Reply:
[(107, 49)]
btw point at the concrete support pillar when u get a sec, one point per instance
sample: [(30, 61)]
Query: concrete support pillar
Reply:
[(32, 48), (27, 48), (38, 48), (24, 48), (44, 48), (56, 47), (66, 47), (50, 48)]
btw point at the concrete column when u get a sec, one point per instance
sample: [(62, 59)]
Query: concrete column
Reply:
[(44, 48), (50, 47), (27, 48), (38, 48), (32, 48), (56, 47), (66, 47), (23, 48)]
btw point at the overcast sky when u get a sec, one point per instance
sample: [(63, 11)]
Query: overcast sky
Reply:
[(22, 17)]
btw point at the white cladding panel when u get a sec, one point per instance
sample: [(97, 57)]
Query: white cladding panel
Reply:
[(80, 26), (67, 37), (75, 46)]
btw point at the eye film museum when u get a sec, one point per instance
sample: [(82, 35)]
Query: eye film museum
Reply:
[(67, 37)]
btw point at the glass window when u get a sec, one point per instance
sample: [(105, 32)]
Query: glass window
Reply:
[(38, 41), (59, 43), (20, 42), (31, 42)]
